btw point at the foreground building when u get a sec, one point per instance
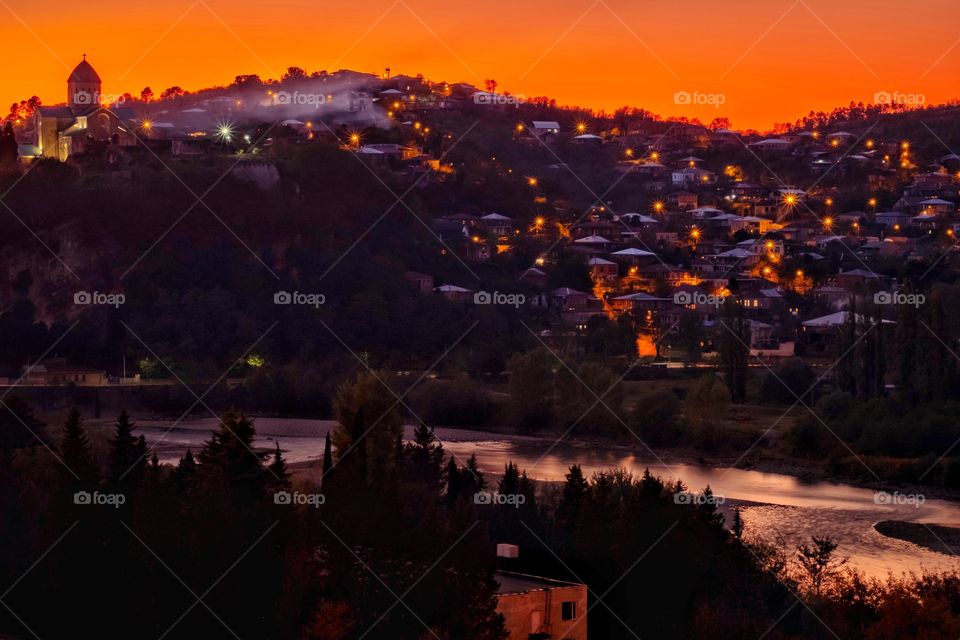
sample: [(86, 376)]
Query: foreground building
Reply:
[(536, 608)]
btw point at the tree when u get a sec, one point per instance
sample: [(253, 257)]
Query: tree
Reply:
[(18, 426), (734, 341), (146, 95), (228, 456), (368, 428), (737, 525), (293, 73), (128, 454), (792, 380), (277, 471), (531, 389), (327, 457), (817, 563), (171, 92), (575, 492), (75, 452), (424, 458)]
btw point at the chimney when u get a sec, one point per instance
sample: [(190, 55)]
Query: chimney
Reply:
[(387, 73), (507, 556)]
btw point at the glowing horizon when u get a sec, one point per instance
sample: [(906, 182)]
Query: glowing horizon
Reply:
[(756, 63)]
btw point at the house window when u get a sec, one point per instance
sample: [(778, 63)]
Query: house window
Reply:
[(568, 610)]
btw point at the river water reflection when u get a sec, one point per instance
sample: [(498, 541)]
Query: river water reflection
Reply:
[(778, 507)]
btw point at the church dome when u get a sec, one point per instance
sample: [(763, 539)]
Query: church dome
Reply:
[(84, 73)]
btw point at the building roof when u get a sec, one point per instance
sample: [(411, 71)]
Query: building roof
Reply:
[(632, 251), (511, 583), (592, 240), (452, 288), (84, 72), (545, 124), (836, 319), (644, 297)]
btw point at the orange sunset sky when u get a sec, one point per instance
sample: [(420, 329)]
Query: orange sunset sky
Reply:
[(772, 60)]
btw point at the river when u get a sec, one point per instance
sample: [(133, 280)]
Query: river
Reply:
[(777, 507)]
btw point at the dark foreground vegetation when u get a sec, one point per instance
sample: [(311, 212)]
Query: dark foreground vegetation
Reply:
[(393, 545)]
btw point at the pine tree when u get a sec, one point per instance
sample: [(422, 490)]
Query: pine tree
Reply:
[(575, 492), (229, 454), (75, 452), (18, 426), (425, 457), (327, 458), (737, 525), (128, 454), (186, 470), (277, 474), (454, 482), (471, 478)]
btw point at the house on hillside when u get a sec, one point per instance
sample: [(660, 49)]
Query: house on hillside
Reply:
[(535, 608), (57, 371)]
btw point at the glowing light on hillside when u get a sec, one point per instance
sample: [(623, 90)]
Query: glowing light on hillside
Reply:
[(790, 200), (581, 127), (629, 153), (520, 128), (225, 131), (872, 202), (532, 181), (654, 156), (658, 206), (828, 222), (829, 202), (147, 125), (870, 144)]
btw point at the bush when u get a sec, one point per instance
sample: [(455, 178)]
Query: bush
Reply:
[(452, 403), (794, 375), (654, 419)]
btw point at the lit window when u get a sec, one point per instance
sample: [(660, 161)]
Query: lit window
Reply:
[(568, 610)]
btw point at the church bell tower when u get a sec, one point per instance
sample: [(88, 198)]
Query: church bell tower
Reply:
[(83, 86)]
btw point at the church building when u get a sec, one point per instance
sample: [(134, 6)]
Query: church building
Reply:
[(83, 122)]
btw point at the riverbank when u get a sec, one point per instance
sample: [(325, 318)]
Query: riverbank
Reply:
[(764, 457), (933, 537)]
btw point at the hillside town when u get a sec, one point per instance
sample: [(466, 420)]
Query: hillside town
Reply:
[(704, 220)]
